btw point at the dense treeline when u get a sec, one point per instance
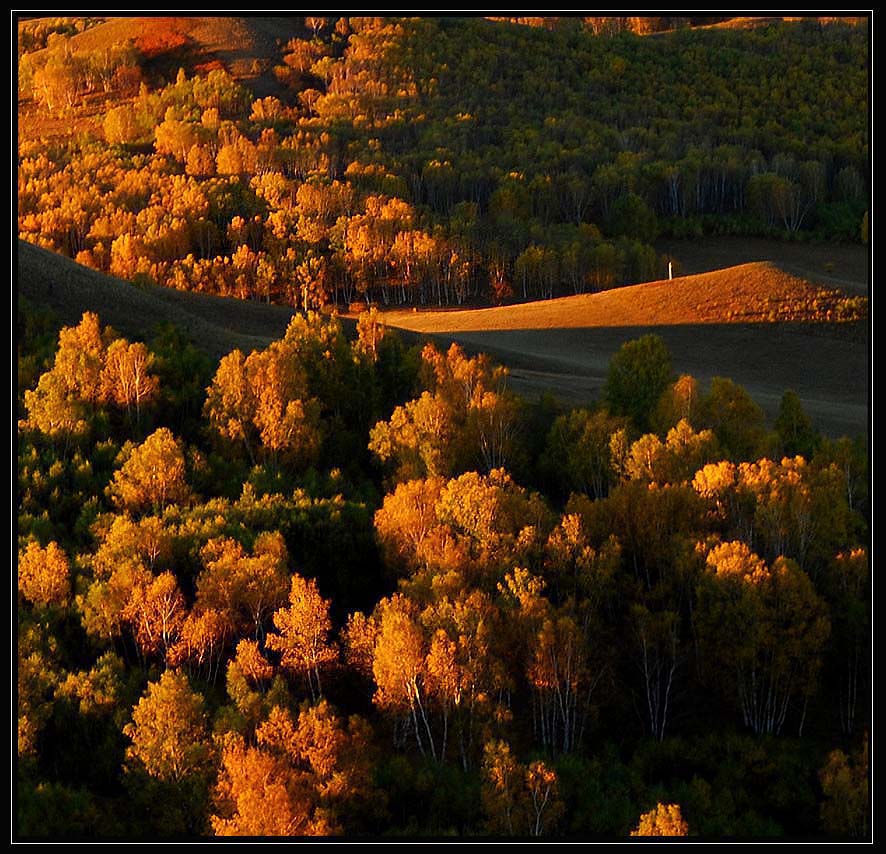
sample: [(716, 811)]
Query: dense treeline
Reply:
[(440, 161), (341, 586)]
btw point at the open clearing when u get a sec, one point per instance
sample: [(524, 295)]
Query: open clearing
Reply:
[(563, 346)]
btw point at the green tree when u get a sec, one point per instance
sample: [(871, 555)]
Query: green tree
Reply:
[(794, 427), (637, 376), (739, 422), (846, 808)]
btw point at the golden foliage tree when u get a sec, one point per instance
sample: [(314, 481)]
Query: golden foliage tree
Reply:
[(249, 673), (156, 611), (518, 800), (664, 820), (763, 628), (246, 588), (44, 575), (125, 379), (153, 476), (296, 779), (68, 393), (303, 640), (200, 647), (466, 418), (263, 401), (846, 808), (168, 730)]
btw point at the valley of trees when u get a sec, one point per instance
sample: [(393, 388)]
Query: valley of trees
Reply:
[(342, 586), (438, 161)]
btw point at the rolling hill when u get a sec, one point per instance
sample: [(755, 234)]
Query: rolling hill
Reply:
[(216, 324), (561, 346), (714, 324), (246, 47)]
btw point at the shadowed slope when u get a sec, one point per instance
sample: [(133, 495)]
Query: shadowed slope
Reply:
[(562, 347), (216, 324), (714, 324)]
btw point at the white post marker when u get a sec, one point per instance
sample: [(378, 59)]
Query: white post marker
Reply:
[(670, 270)]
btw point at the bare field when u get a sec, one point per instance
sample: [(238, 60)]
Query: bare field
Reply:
[(563, 346)]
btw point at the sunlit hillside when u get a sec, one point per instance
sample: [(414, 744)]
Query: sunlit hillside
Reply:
[(443, 428), (749, 293)]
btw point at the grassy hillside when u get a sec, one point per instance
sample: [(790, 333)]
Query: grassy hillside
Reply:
[(748, 293), (246, 47), (216, 324), (561, 346), (714, 324)]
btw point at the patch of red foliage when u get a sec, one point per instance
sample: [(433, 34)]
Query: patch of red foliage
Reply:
[(161, 37), (212, 65)]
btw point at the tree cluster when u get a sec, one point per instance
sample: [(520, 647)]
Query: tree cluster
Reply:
[(440, 161), (354, 595)]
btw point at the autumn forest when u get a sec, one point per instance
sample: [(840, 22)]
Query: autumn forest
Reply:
[(345, 580)]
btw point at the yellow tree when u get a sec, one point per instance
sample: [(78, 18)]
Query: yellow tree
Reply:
[(81, 356), (247, 588), (502, 789), (370, 331), (846, 808), (674, 461), (69, 392), (202, 641), (399, 667), (229, 402), (156, 612), (263, 401), (417, 438), (297, 779), (286, 418), (763, 629), (518, 800), (153, 476), (664, 820), (464, 668), (560, 676), (679, 402), (168, 730), (44, 575), (126, 379), (407, 522), (53, 410), (247, 678), (303, 639), (465, 417)]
